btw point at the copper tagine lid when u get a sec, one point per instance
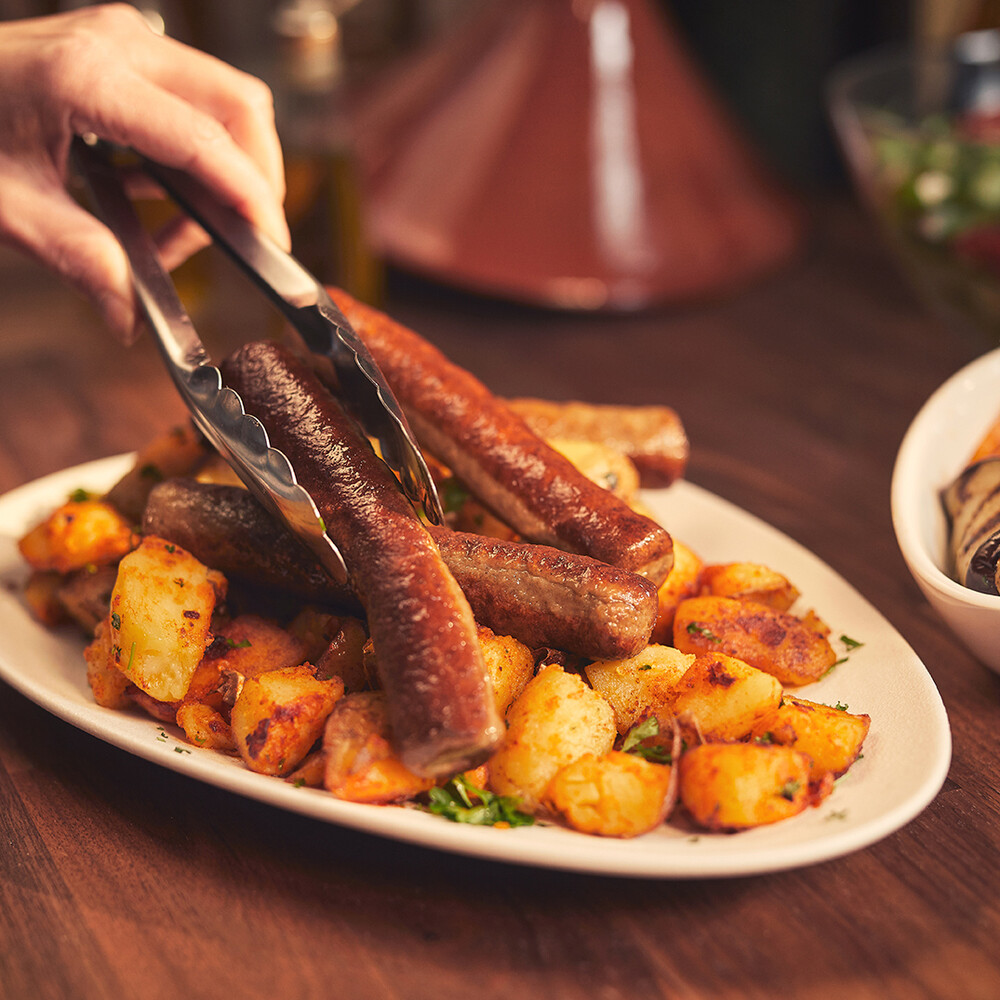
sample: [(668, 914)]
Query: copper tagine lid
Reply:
[(567, 153)]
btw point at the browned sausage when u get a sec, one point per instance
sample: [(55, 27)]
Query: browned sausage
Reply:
[(430, 665), (540, 595), (492, 450)]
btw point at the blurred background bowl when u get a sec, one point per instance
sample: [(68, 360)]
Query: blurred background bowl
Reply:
[(935, 449), (919, 127)]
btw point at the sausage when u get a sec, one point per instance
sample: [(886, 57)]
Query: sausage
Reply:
[(542, 596), (546, 597), (226, 528), (492, 450), (437, 688)]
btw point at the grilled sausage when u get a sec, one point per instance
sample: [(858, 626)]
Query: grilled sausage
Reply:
[(542, 596), (492, 450), (430, 665)]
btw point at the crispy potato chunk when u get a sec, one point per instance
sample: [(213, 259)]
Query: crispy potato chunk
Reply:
[(107, 682), (252, 645), (601, 464), (832, 737), (750, 581), (360, 763), (641, 683), (773, 641), (683, 581), (161, 611), (335, 643), (619, 795), (279, 715), (510, 664), (722, 697), (175, 453), (555, 720), (79, 533), (41, 592), (734, 786), (205, 727)]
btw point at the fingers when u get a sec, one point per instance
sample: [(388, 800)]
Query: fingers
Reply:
[(51, 227)]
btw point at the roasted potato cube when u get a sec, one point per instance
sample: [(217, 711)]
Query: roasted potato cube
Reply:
[(86, 594), (750, 581), (205, 727), (555, 720), (252, 645), (360, 763), (107, 682), (335, 644), (734, 786), (175, 453), (773, 641), (510, 664), (831, 736), (41, 593), (601, 464), (723, 697), (161, 611), (683, 581), (79, 533), (636, 685), (619, 795), (279, 715)]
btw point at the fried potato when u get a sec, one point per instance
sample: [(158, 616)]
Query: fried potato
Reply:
[(734, 786), (653, 437), (279, 715), (750, 581), (41, 593), (510, 664), (360, 765), (161, 611), (556, 719), (335, 644), (601, 464), (639, 684), (831, 736), (618, 795), (773, 641), (86, 594), (107, 683), (79, 533), (175, 453), (205, 727), (722, 697), (683, 581), (251, 645)]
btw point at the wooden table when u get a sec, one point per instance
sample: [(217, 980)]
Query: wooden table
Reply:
[(119, 879)]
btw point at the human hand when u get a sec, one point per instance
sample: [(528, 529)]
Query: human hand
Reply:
[(101, 70)]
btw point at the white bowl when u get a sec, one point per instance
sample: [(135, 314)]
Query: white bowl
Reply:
[(935, 449)]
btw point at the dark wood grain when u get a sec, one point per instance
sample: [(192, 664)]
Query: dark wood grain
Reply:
[(119, 879)]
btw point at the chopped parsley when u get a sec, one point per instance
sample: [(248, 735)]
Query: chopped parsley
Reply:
[(116, 620), (849, 643), (790, 789), (453, 495), (462, 802), (79, 496), (646, 729), (695, 628), (233, 644)]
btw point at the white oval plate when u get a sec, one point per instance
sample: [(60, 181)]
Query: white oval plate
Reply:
[(893, 782)]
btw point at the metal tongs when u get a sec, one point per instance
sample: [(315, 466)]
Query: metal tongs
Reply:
[(218, 410)]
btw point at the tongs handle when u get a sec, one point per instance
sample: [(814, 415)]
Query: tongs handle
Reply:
[(324, 328), (217, 410)]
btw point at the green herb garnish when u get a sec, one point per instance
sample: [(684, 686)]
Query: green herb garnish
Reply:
[(242, 644), (789, 789), (703, 630), (462, 802), (643, 731)]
